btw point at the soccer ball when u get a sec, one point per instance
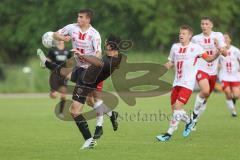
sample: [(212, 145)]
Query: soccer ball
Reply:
[(48, 40)]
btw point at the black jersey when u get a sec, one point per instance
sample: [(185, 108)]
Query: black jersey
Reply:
[(94, 75), (89, 78), (59, 56)]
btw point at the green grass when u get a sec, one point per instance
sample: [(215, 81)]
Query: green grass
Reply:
[(29, 130)]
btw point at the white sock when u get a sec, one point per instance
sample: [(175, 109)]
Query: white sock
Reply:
[(185, 117), (99, 120), (100, 112), (198, 104), (202, 109), (41, 55), (109, 113), (231, 106), (176, 118), (100, 107)]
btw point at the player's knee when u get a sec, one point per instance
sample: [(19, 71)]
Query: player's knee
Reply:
[(90, 102), (74, 110), (236, 95), (205, 93)]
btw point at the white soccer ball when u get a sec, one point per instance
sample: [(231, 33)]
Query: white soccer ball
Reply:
[(48, 40)]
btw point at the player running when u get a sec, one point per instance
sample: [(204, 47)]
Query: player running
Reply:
[(230, 74), (87, 40), (87, 81), (211, 42), (184, 58)]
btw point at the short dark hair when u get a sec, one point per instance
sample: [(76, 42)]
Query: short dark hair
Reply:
[(187, 27), (228, 34), (88, 12), (207, 18), (113, 41)]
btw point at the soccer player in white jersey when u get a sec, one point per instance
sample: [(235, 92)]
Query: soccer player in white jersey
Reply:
[(87, 40), (229, 74), (184, 57), (211, 42)]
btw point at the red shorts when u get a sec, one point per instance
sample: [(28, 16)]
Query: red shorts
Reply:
[(181, 94), (100, 86), (211, 78), (230, 84)]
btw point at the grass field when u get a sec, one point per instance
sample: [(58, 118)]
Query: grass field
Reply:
[(29, 130)]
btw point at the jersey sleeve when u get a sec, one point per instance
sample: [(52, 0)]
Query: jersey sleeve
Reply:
[(193, 40), (221, 41), (97, 43), (171, 55), (237, 53), (65, 30)]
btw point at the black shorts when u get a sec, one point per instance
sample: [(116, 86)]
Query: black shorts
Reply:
[(76, 73), (81, 89), (56, 81), (80, 93)]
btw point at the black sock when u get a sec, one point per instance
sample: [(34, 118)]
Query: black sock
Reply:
[(62, 103), (205, 101), (83, 126), (51, 66), (194, 115), (234, 100)]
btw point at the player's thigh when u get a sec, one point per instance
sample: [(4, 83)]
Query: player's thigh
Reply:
[(178, 105), (236, 91), (174, 96), (90, 99), (204, 87), (66, 72), (228, 92), (97, 95)]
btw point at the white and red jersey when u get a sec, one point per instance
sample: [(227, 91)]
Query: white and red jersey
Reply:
[(229, 65), (88, 42), (207, 44), (185, 61)]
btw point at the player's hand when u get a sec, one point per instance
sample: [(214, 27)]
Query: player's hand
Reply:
[(77, 52), (223, 51), (66, 38)]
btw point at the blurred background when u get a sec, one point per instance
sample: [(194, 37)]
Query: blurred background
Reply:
[(152, 25)]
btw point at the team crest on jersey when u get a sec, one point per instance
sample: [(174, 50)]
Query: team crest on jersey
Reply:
[(199, 75)]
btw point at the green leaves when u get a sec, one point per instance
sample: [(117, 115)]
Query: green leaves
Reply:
[(149, 23)]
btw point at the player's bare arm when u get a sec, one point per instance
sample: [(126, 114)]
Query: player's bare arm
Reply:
[(60, 37), (90, 59), (210, 58)]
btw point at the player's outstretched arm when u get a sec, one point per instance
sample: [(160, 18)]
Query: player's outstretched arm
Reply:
[(209, 58), (90, 59), (60, 37)]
